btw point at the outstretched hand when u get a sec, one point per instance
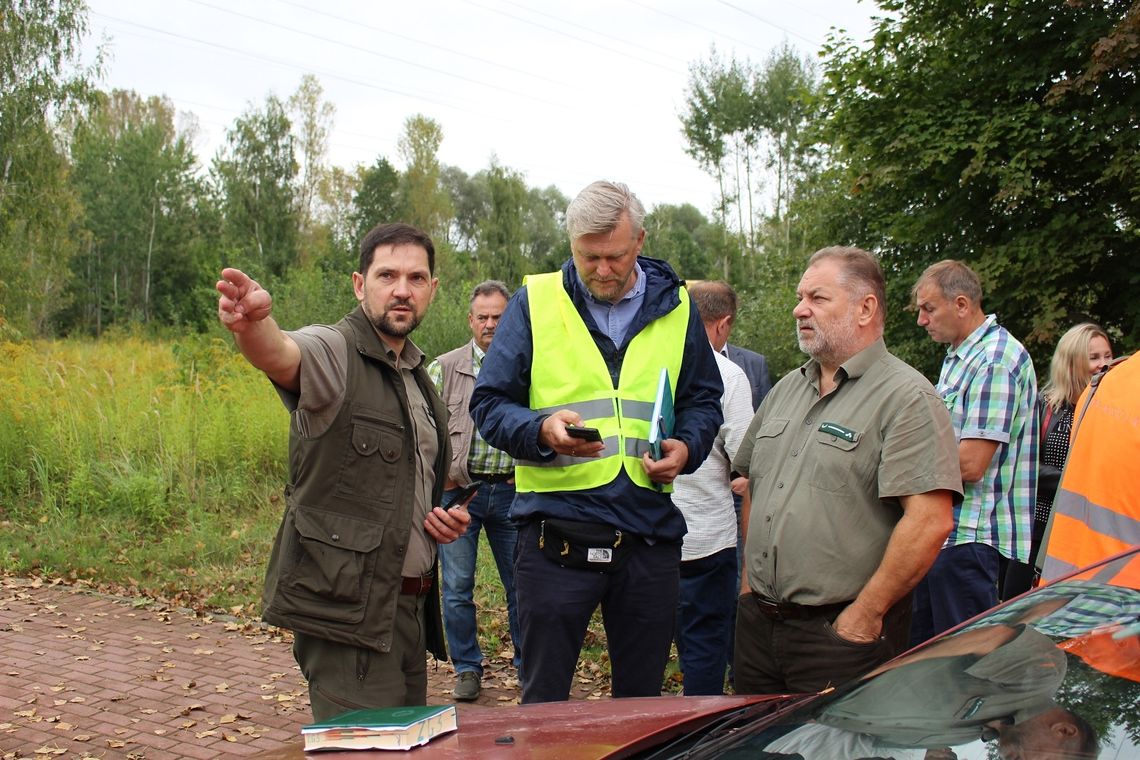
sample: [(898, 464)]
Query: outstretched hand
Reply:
[(242, 302)]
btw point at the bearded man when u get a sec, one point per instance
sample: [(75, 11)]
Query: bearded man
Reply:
[(853, 472), (353, 569)]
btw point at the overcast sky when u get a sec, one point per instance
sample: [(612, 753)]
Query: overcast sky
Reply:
[(564, 92)]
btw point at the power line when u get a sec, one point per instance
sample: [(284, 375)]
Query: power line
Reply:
[(575, 37), (693, 24), (276, 61), (588, 29), (763, 20), (425, 43), (369, 51)]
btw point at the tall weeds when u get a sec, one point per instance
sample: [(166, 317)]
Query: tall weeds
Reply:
[(140, 462)]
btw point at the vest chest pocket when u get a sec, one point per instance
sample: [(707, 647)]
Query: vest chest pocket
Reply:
[(370, 465), (328, 563)]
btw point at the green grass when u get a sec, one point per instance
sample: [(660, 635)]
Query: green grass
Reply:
[(148, 466)]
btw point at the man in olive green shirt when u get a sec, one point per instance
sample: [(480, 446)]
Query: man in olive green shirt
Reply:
[(853, 471)]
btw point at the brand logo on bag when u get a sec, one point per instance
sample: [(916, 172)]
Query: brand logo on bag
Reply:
[(599, 555)]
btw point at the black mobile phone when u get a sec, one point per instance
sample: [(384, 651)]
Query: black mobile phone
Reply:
[(585, 433), (461, 495)]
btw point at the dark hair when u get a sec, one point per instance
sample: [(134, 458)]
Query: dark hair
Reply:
[(396, 233), (715, 299), (861, 272), (490, 288)]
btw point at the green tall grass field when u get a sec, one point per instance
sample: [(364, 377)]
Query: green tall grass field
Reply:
[(150, 466)]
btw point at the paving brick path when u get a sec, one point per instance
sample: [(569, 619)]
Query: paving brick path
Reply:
[(85, 675)]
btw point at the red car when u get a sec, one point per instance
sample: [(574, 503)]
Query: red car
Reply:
[(1053, 674)]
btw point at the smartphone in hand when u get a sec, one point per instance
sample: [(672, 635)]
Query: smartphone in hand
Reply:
[(461, 496), (584, 433)]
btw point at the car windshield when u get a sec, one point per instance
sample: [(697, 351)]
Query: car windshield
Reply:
[(1053, 674)]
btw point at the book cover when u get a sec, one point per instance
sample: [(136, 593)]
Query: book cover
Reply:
[(662, 420), (381, 728)]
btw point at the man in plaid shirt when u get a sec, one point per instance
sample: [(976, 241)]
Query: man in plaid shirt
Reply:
[(473, 460), (989, 387)]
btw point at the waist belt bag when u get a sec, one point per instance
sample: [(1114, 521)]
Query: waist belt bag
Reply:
[(583, 545)]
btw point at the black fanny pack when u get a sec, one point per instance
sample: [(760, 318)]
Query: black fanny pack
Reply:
[(583, 545)]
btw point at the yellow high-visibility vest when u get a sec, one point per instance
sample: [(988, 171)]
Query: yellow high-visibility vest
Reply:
[(568, 372)]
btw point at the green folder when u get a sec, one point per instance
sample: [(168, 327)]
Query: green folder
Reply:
[(662, 420)]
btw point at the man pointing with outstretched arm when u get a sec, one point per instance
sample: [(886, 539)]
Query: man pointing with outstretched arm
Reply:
[(353, 568)]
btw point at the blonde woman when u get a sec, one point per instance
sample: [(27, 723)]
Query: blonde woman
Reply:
[(1082, 352)]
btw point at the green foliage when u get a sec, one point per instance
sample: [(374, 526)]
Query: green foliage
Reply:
[(423, 201), (995, 133), (312, 122), (136, 178), (376, 198), (674, 234), (254, 174), (546, 243), (501, 232), (746, 127), (39, 75)]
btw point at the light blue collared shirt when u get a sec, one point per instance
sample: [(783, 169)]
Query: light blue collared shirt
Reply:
[(614, 319)]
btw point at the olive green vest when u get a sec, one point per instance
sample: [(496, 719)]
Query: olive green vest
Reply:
[(336, 564), (568, 372)]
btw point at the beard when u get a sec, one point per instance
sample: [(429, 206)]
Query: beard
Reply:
[(832, 346), (608, 289), (394, 327)]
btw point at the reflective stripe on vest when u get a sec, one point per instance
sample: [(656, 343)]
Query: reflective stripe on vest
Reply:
[(1084, 533), (569, 372), (1097, 510)]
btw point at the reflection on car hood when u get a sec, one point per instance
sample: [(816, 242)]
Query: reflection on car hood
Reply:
[(1053, 674)]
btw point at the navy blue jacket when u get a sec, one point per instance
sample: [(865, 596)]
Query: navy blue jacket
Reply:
[(500, 407)]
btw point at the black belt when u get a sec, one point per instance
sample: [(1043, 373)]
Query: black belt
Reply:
[(493, 477), (789, 611), (416, 585)]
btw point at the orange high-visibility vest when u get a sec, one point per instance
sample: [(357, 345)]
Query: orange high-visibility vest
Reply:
[(1097, 510)]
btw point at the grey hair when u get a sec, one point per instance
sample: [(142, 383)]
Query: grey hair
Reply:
[(599, 208), (490, 288), (953, 279), (860, 273)]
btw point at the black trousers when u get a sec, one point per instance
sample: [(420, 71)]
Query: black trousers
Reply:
[(639, 605), (807, 655)]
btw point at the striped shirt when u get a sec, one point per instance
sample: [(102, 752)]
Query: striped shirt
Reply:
[(483, 458), (989, 387)]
